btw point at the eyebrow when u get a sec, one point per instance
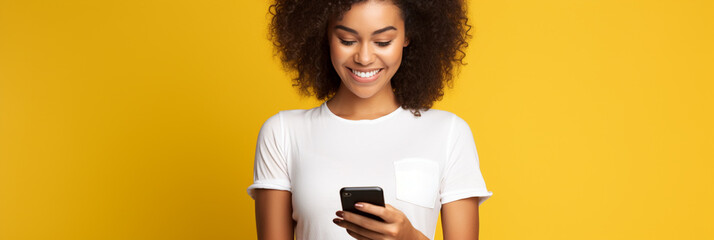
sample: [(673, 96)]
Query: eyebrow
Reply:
[(373, 33)]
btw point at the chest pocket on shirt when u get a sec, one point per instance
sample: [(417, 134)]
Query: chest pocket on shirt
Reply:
[(417, 181)]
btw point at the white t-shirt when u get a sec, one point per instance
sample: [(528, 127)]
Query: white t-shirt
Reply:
[(419, 162)]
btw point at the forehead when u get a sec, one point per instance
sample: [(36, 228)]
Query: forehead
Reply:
[(368, 16)]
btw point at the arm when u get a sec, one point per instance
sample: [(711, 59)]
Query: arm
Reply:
[(273, 214), (459, 219)]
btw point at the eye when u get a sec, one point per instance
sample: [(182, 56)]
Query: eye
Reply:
[(347, 43), (384, 44)]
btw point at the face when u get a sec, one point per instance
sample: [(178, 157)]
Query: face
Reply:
[(366, 47)]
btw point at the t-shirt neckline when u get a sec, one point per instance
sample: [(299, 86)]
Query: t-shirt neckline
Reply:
[(379, 119)]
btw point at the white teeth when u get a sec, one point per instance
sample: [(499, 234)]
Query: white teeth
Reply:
[(365, 74)]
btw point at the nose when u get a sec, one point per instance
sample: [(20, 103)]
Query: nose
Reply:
[(365, 55)]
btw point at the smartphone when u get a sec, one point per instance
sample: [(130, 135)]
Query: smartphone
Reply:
[(352, 195)]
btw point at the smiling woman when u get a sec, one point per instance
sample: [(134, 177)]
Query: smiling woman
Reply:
[(438, 32), (364, 58), (370, 61)]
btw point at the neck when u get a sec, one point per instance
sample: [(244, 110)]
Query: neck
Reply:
[(350, 106)]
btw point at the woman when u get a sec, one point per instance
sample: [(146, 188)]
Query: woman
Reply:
[(372, 61)]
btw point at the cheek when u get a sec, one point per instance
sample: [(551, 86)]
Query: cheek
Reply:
[(392, 57), (339, 54)]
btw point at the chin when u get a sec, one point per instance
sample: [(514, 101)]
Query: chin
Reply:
[(363, 93), (369, 91)]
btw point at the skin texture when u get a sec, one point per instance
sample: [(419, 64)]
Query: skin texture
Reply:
[(369, 36), (273, 214), (459, 219)]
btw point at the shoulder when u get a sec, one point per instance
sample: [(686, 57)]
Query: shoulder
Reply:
[(443, 117), (438, 114), (451, 124), (299, 114), (288, 116)]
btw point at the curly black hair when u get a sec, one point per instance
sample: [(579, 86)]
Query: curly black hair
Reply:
[(437, 33)]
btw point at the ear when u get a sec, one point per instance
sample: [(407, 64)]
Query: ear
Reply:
[(406, 42)]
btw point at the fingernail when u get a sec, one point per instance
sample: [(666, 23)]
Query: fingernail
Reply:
[(358, 205), (340, 214), (336, 221)]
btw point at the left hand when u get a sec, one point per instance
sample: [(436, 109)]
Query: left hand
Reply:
[(395, 225)]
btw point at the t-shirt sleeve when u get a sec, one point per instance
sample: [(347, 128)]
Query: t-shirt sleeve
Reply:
[(270, 170), (462, 175)]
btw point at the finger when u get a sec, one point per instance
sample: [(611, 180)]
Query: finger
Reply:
[(364, 222), (356, 235), (386, 213), (351, 227)]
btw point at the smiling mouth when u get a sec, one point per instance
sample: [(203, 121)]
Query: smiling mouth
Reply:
[(366, 74)]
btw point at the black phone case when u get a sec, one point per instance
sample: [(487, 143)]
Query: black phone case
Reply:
[(352, 195)]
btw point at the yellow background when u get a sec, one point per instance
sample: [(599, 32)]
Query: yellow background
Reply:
[(138, 119)]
